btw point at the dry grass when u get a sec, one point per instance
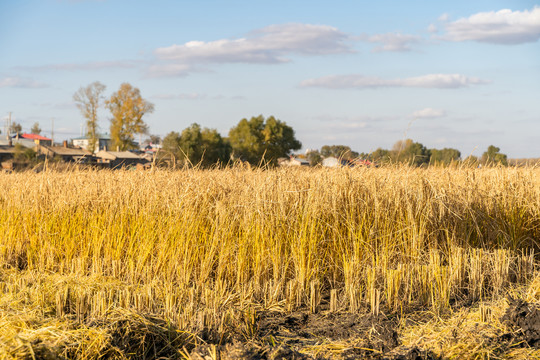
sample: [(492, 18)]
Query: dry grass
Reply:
[(192, 255)]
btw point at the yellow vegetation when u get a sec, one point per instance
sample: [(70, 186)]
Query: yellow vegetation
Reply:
[(204, 250)]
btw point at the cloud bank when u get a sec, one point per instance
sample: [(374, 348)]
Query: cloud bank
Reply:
[(434, 81), (273, 44), (502, 27)]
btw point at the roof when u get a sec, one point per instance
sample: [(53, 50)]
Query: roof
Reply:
[(64, 151), (34, 137), (113, 155)]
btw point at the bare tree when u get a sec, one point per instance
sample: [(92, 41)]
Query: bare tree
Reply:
[(88, 100)]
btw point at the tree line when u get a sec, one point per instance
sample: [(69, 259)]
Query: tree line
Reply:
[(409, 152), (257, 140)]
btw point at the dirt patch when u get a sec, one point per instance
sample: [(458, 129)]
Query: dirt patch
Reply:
[(524, 319)]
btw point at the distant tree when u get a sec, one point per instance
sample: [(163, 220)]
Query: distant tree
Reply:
[(410, 152), (380, 156), (15, 128), (339, 151), (314, 158), (471, 160), (154, 139), (88, 99), (171, 146), (35, 129), (253, 139), (215, 149), (196, 146), (493, 156), (444, 156), (128, 108)]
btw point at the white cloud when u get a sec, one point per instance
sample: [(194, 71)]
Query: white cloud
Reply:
[(438, 81), (428, 113), (502, 27), (392, 41), (269, 45), (18, 82), (432, 28)]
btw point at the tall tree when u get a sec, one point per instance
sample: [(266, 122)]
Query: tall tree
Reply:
[(194, 146), (253, 139), (339, 151), (445, 156), (88, 99), (35, 129), (127, 108), (410, 152), (494, 156)]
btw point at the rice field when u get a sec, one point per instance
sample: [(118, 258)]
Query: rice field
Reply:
[(281, 263)]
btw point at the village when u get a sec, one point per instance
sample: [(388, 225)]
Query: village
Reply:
[(22, 150)]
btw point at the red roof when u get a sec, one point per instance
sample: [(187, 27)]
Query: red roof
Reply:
[(34, 137)]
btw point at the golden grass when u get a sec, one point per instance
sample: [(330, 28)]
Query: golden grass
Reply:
[(203, 250)]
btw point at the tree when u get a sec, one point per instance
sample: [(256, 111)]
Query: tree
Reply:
[(127, 108), (445, 156), (154, 139), (253, 139), (314, 157), (196, 146), (493, 156), (380, 156), (339, 151), (410, 152), (35, 129), (88, 100), (15, 128)]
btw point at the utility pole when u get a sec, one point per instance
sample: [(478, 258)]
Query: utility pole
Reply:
[(9, 129), (52, 132)]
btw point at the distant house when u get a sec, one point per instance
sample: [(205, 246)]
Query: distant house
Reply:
[(103, 142), (331, 162), (65, 153), (335, 162), (37, 139), (293, 161), (118, 159)]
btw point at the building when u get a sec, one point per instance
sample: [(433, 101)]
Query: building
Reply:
[(118, 159), (65, 153), (36, 138), (103, 142), (293, 161)]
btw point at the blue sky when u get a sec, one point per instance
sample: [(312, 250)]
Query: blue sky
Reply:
[(462, 74)]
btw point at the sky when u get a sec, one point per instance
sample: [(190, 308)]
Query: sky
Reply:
[(458, 74)]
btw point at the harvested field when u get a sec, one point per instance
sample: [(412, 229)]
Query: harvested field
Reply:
[(385, 263)]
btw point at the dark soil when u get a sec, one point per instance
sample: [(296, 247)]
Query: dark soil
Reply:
[(524, 319), (283, 336)]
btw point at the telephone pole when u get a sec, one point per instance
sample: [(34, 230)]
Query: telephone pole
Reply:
[(52, 132)]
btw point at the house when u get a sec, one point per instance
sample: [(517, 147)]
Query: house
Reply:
[(36, 138), (65, 153), (331, 162), (118, 159), (293, 161), (27, 143), (103, 142), (335, 162)]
